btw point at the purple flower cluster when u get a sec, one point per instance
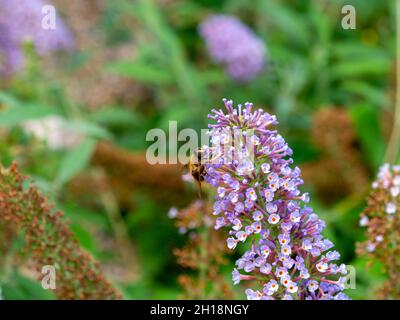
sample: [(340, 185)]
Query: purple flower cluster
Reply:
[(258, 198), (20, 21), (234, 45)]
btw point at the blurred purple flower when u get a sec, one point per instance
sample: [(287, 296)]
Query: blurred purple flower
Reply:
[(234, 45), (20, 21), (288, 254)]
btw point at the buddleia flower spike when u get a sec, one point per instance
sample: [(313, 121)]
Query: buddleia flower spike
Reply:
[(259, 200)]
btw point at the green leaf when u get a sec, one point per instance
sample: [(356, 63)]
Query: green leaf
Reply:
[(16, 115), (348, 50), (178, 112), (8, 99), (366, 121), (19, 287), (114, 116), (287, 21), (88, 128), (368, 92), (212, 77), (141, 72), (360, 68), (85, 238), (75, 161), (82, 216), (173, 53)]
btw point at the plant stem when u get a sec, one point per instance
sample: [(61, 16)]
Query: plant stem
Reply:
[(203, 257), (394, 142), (118, 226)]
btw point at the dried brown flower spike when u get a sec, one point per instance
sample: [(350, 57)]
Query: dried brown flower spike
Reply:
[(204, 253), (382, 220), (49, 241)]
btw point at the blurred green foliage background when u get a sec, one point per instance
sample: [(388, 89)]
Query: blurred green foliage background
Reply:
[(139, 64)]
